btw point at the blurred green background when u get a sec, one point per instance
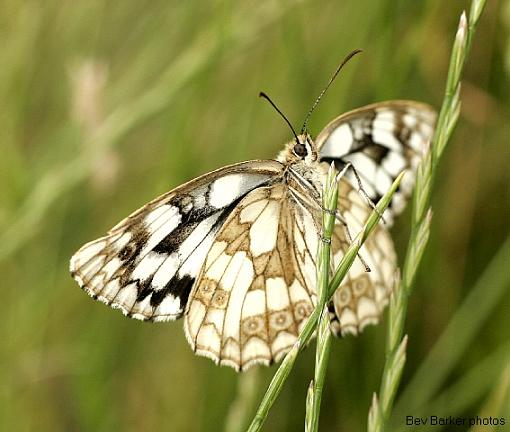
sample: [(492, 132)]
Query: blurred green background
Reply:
[(106, 105)]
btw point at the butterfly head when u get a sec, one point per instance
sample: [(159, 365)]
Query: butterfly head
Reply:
[(300, 149), (304, 148)]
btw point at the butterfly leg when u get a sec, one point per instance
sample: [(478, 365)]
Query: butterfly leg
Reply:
[(361, 189), (349, 238), (341, 219)]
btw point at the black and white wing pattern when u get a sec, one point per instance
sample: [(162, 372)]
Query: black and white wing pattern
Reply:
[(147, 264), (380, 140), (257, 286)]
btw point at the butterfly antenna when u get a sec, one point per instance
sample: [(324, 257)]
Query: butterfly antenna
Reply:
[(266, 97), (339, 68)]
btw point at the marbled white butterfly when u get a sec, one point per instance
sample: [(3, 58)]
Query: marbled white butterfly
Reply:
[(233, 251)]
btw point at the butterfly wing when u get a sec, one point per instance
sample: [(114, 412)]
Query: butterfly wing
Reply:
[(380, 140), (257, 286), (147, 264), (361, 297)]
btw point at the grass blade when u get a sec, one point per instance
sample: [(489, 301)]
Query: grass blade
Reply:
[(421, 218)]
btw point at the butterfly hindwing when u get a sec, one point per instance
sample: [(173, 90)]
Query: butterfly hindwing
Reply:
[(147, 264), (380, 140), (257, 286), (361, 297)]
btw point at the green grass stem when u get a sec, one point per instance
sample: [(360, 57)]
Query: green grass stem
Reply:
[(314, 397), (460, 332), (381, 409)]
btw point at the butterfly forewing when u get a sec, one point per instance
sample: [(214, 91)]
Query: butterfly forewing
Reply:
[(381, 140), (147, 264), (257, 286)]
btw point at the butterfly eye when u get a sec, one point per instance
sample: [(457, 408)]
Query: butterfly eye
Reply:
[(300, 150)]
